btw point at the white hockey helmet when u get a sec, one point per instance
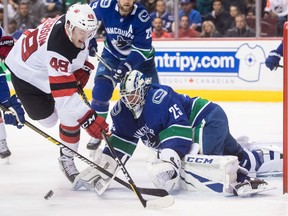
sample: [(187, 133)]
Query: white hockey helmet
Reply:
[(83, 17), (133, 89)]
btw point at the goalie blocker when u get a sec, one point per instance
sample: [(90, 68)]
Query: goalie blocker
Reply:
[(216, 174)]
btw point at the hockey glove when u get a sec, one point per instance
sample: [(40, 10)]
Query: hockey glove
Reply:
[(273, 60), (93, 47), (6, 44), (94, 124), (82, 75), (122, 69), (16, 117)]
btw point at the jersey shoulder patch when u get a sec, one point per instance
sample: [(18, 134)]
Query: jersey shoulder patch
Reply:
[(144, 16), (158, 96)]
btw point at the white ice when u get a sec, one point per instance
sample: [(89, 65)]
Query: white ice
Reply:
[(33, 170)]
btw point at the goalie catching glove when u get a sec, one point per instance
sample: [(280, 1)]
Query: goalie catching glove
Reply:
[(16, 114), (82, 75), (164, 172), (93, 179), (94, 124)]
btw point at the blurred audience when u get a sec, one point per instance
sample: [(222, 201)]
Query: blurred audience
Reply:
[(241, 28), (204, 6), (158, 30), (24, 19), (12, 29), (279, 9), (149, 4), (167, 17), (194, 17), (220, 17), (184, 30), (209, 30), (234, 11)]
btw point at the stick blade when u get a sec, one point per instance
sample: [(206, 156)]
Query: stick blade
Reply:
[(159, 203)]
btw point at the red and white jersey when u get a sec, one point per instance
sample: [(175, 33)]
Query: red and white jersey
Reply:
[(45, 56)]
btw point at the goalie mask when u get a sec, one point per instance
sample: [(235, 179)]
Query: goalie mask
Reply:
[(81, 16), (133, 90)]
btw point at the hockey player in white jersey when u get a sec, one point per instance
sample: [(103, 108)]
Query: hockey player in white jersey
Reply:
[(46, 65), (190, 135), (6, 44)]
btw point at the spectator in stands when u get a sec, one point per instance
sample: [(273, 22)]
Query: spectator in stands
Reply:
[(38, 9), (23, 18), (1, 17), (204, 6), (209, 30), (167, 17), (241, 28), (12, 29), (54, 8), (220, 17), (278, 8), (184, 29), (195, 19), (158, 30), (170, 6), (234, 11), (12, 8), (149, 4)]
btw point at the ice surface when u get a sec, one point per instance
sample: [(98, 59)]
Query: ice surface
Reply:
[(33, 170)]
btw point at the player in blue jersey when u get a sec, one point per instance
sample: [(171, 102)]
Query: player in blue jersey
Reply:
[(127, 46), (174, 125), (272, 61), (6, 44)]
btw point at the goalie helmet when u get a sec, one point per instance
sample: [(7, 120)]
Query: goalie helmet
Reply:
[(133, 90), (83, 17)]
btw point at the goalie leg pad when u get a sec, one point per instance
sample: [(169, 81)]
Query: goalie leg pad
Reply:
[(208, 173), (91, 178), (164, 172)]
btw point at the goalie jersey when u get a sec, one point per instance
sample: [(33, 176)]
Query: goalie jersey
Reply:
[(166, 122), (127, 38)]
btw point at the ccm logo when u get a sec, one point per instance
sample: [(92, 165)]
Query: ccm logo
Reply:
[(199, 160), (89, 121)]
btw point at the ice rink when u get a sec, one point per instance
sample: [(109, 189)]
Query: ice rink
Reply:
[(33, 170)]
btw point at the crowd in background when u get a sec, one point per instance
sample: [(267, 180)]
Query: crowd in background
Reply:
[(197, 18)]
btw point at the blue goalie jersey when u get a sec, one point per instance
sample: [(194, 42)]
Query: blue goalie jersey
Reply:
[(129, 37), (166, 121)]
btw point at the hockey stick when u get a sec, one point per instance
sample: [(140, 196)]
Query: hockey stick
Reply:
[(148, 191), (162, 202), (103, 61)]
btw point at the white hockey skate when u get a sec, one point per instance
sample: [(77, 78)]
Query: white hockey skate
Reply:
[(68, 167), (4, 150)]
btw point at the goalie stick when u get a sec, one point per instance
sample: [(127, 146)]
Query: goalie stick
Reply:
[(162, 202), (148, 191)]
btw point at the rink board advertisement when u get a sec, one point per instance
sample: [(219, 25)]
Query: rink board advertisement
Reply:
[(216, 69)]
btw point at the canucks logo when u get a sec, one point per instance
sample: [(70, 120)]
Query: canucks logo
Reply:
[(122, 43)]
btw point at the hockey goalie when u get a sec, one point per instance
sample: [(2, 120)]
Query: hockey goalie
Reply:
[(192, 140)]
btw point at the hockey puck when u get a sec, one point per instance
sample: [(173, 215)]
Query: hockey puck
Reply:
[(49, 194)]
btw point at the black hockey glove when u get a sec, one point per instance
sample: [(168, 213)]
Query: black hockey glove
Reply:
[(93, 47), (122, 69)]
